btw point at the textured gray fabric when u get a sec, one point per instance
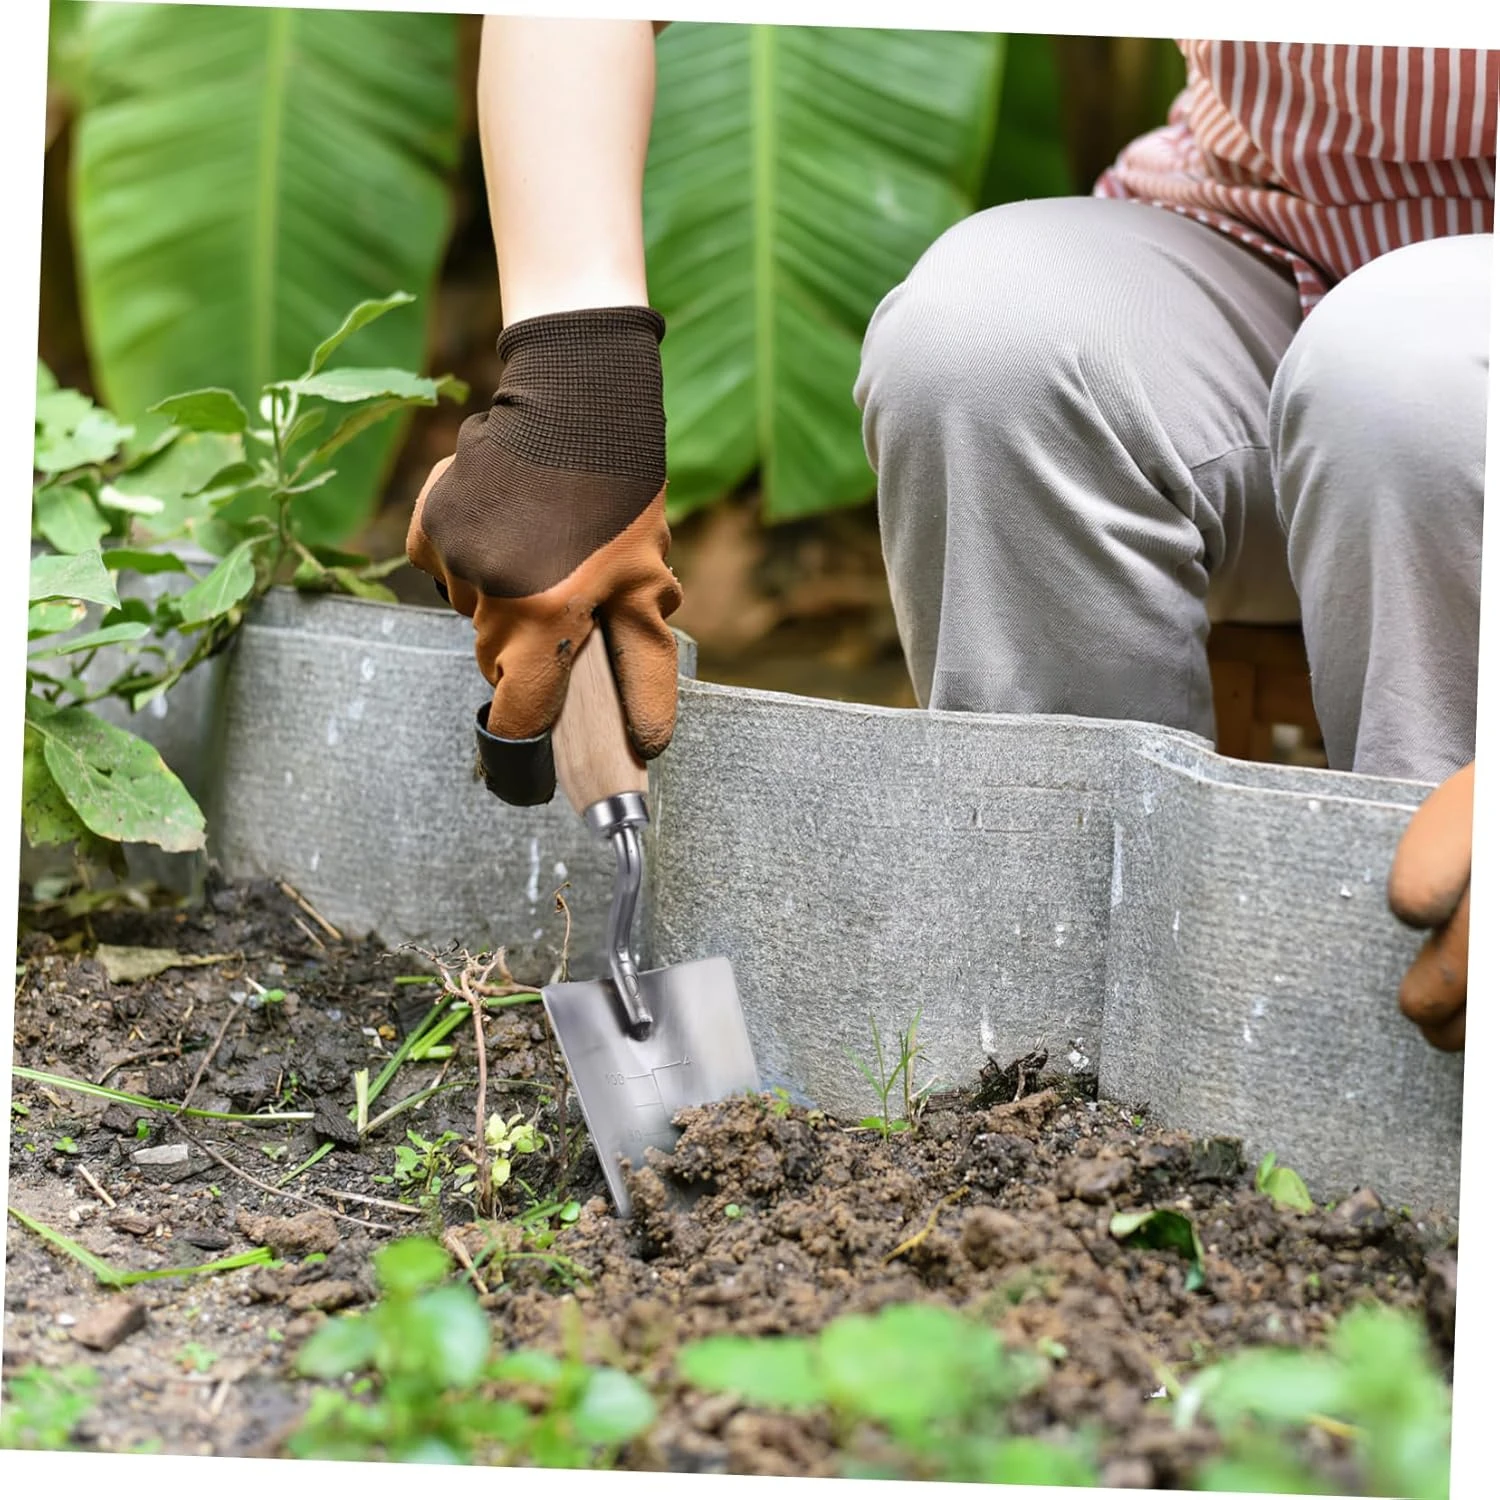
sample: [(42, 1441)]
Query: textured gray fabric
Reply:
[(1068, 405), (1378, 436), (1211, 937)]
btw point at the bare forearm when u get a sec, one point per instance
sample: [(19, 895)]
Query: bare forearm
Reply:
[(564, 122)]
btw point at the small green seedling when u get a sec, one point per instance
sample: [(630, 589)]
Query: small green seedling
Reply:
[(884, 1081), (1376, 1381), (934, 1381), (508, 1139), (41, 1408), (1163, 1229), (1282, 1185), (195, 1356), (429, 1390), (66, 1144)]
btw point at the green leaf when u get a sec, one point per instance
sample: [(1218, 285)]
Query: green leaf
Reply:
[(1281, 1386), (1267, 1473), (111, 498), (47, 817), (339, 1347), (776, 1372), (458, 1332), (209, 410), (361, 317), (67, 517), (153, 434), (51, 617), (138, 560), (911, 1366), (613, 1408), (242, 175), (351, 427), (350, 385), (795, 175), (168, 486), (109, 635), (118, 785), (411, 1265), (363, 588), (1163, 1229), (72, 433), (80, 575), (222, 589), (307, 422), (528, 1367), (1282, 1185), (1032, 1461)]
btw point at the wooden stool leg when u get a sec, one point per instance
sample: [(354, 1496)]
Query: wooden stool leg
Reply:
[(1234, 707)]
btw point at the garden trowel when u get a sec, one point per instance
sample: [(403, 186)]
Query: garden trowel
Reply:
[(639, 1046)]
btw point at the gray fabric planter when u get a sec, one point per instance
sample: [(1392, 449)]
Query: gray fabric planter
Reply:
[(344, 764), (1210, 937)]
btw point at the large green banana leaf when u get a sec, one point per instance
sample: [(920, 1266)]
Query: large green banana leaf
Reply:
[(795, 176), (242, 177)]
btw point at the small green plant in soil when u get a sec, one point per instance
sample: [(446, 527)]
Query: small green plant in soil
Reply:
[(424, 1386), (1375, 1385), (508, 1139), (885, 1081), (423, 1168), (1282, 1185), (934, 1382), (41, 1407), (1163, 1229), (114, 502)]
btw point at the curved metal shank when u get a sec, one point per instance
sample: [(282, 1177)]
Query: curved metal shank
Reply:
[(620, 820)]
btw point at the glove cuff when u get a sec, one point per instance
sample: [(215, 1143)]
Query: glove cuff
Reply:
[(582, 391)]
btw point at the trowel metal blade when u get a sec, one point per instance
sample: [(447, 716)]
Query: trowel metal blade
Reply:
[(698, 1052)]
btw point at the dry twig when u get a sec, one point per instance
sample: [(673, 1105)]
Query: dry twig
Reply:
[(312, 911)]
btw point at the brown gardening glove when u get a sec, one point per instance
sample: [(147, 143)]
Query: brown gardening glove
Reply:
[(549, 519), (1429, 889)]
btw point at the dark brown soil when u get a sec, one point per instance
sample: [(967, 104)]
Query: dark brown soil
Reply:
[(1002, 1209)]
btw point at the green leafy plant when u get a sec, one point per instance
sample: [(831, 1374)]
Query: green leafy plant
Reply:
[(884, 1081), (1163, 1229), (423, 1167), (41, 1407), (120, 501), (935, 1382), (1282, 1185), (796, 173), (429, 1390), (323, 142), (508, 1139), (1375, 1382)]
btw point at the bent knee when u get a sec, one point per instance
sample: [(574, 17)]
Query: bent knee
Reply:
[(1389, 373)]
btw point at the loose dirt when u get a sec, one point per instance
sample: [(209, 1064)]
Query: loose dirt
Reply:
[(1000, 1208)]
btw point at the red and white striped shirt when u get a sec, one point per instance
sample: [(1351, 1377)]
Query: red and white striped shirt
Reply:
[(1323, 157)]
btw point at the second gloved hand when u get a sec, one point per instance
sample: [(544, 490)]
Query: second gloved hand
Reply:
[(550, 518)]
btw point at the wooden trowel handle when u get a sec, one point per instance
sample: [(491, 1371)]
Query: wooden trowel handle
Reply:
[(590, 744)]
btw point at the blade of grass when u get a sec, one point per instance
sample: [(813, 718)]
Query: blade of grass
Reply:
[(119, 1096), (107, 1275), (410, 1102)]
